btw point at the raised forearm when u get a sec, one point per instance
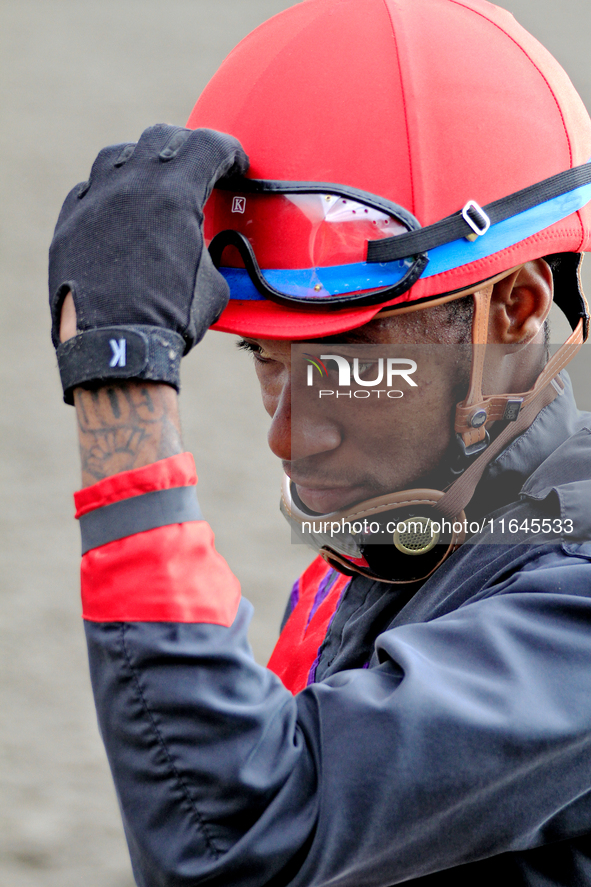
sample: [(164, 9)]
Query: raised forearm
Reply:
[(126, 426), (128, 300)]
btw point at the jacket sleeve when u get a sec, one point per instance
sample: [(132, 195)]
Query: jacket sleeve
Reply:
[(471, 738)]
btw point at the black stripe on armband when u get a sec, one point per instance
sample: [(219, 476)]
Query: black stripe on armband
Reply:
[(138, 514)]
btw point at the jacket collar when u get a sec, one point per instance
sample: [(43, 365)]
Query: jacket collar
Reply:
[(554, 454)]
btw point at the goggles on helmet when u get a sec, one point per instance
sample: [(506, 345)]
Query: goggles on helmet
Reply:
[(326, 246), (306, 243)]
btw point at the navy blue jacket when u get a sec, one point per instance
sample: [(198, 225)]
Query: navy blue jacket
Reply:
[(465, 745)]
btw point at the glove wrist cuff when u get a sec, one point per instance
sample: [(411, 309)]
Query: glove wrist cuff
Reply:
[(109, 353)]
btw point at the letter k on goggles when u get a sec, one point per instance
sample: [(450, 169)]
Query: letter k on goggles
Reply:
[(322, 245)]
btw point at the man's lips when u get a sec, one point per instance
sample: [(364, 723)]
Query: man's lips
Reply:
[(324, 491), (324, 499)]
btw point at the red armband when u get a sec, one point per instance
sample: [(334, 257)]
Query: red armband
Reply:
[(148, 555)]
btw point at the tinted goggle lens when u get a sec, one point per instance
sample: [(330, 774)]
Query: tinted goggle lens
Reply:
[(306, 246)]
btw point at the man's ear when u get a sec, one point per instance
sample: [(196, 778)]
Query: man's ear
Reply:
[(520, 303)]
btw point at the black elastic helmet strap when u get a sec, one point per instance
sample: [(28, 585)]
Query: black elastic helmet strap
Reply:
[(456, 226)]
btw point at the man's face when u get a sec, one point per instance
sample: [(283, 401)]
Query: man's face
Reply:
[(339, 451)]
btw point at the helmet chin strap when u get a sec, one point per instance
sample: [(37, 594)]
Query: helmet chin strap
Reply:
[(518, 410), (397, 562)]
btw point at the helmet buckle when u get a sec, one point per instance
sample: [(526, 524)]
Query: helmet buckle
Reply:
[(471, 450), (476, 218), (512, 408)]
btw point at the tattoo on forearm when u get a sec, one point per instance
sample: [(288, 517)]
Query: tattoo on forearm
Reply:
[(126, 426)]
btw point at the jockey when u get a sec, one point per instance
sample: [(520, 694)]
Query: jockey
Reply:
[(388, 193)]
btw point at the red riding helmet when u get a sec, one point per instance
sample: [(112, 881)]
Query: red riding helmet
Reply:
[(449, 112)]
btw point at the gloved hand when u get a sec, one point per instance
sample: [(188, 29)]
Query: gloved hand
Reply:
[(129, 245)]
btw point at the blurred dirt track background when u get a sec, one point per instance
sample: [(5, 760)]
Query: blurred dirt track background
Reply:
[(77, 75)]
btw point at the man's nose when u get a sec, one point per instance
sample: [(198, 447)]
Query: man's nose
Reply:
[(298, 431)]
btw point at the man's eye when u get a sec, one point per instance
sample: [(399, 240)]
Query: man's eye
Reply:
[(255, 349), (367, 369), (262, 357), (363, 369)]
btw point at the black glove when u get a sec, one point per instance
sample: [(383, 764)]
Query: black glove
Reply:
[(129, 245)]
